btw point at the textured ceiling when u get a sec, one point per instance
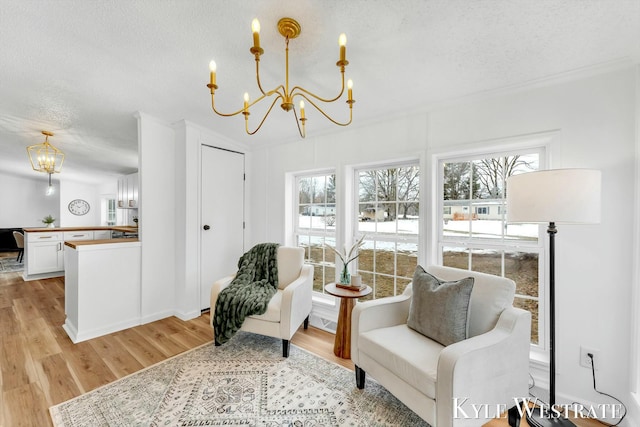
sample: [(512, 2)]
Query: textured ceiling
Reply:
[(82, 68)]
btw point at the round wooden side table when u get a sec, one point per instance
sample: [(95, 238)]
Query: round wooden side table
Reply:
[(348, 297)]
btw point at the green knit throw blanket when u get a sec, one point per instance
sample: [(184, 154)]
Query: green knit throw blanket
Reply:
[(249, 292)]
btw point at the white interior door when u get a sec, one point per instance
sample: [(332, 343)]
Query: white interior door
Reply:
[(222, 227)]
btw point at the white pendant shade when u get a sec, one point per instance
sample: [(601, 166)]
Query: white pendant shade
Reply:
[(563, 196)]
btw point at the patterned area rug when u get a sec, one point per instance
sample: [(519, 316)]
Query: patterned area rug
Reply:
[(245, 382), (9, 265)]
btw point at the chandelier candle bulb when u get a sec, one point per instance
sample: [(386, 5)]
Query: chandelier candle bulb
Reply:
[(246, 101), (350, 89), (302, 109), (255, 27), (212, 72), (342, 41)]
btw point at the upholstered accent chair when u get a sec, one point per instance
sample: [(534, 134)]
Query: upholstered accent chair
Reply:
[(289, 307), (19, 237), (441, 383)]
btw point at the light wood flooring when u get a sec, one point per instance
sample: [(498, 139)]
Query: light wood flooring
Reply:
[(41, 367)]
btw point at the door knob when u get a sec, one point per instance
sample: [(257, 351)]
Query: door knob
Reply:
[(206, 227)]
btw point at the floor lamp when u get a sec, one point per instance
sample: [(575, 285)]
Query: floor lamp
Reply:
[(557, 196)]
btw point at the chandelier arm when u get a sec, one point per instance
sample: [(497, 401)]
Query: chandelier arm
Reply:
[(213, 106), (328, 117), (235, 113), (258, 75), (301, 89), (246, 117)]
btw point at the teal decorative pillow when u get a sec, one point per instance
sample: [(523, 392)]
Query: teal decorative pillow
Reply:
[(440, 310)]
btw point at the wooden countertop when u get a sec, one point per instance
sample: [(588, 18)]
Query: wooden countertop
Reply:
[(124, 228), (74, 243)]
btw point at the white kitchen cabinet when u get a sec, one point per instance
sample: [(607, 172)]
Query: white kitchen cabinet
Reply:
[(78, 235), (45, 253), (101, 234), (128, 191)]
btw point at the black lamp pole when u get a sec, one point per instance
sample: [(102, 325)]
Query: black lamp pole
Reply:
[(552, 314), (548, 416)]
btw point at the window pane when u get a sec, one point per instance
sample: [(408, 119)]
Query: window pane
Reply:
[(304, 217), (315, 225), (455, 257), (331, 189), (523, 268), (304, 188), (384, 286), (457, 180), (407, 259), (367, 187), (369, 214), (408, 183), (486, 261), (388, 212), (385, 258), (365, 259), (318, 185), (475, 234), (387, 224)]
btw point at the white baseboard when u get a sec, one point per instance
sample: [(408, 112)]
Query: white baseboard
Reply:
[(187, 315), (156, 316), (77, 337)]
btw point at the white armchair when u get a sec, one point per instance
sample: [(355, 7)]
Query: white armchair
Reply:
[(440, 383), (289, 307)]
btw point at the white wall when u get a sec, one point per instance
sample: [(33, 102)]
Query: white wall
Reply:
[(23, 202), (595, 117), (71, 190), (157, 217)]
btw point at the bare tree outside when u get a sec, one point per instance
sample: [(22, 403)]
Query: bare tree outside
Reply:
[(388, 186)]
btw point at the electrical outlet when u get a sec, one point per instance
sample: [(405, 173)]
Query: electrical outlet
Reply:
[(585, 360)]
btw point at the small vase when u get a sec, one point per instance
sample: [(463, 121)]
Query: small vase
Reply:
[(345, 277), (51, 225)]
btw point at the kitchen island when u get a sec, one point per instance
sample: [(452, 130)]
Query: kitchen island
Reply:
[(102, 287), (44, 247)]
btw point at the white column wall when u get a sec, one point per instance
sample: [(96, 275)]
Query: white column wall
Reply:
[(157, 228), (188, 141)]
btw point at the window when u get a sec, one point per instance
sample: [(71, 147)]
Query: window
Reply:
[(315, 224), (111, 212), (387, 214), (474, 234)]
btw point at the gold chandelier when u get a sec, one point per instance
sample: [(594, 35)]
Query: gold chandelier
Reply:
[(45, 157), (289, 29)]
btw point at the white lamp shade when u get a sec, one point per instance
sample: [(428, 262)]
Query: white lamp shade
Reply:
[(563, 196)]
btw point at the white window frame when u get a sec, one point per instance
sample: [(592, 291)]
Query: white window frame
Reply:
[(497, 148), (320, 297), (355, 235)]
